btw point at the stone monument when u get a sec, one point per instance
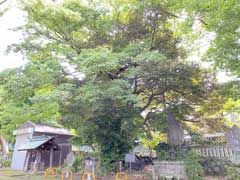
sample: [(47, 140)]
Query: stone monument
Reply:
[(90, 167), (233, 141)]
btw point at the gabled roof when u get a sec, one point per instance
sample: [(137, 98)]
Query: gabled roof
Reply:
[(51, 129), (30, 127)]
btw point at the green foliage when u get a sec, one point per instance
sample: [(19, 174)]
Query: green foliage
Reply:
[(193, 168), (78, 163), (221, 18), (231, 172), (166, 152), (108, 118), (4, 162), (133, 63), (30, 95), (7, 163)]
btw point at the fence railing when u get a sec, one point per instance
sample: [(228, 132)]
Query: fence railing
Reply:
[(221, 152)]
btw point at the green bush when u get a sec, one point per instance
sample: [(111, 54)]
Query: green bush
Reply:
[(193, 167), (176, 153), (7, 163), (78, 164), (231, 172)]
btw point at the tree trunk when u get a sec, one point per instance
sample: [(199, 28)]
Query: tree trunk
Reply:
[(3, 144), (175, 132)]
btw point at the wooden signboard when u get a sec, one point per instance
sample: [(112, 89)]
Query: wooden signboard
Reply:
[(130, 158)]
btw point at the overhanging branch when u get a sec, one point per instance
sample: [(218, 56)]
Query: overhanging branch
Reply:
[(121, 70), (2, 2)]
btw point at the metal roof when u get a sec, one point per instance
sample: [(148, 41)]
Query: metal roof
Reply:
[(30, 127), (34, 143), (51, 129)]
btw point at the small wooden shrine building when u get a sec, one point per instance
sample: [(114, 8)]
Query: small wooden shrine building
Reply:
[(39, 147)]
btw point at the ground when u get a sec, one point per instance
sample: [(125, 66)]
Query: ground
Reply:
[(7, 174)]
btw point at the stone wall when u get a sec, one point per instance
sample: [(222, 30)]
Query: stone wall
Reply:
[(213, 167), (169, 168)]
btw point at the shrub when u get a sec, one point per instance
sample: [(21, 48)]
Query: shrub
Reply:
[(167, 152), (231, 172), (7, 163), (78, 164), (193, 167)]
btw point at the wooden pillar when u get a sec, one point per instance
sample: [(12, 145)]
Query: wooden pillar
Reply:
[(26, 161), (60, 158), (37, 161), (51, 157)]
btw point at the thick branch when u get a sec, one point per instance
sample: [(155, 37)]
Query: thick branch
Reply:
[(145, 123), (176, 16), (121, 70), (190, 120), (2, 2), (135, 85), (150, 99), (198, 19)]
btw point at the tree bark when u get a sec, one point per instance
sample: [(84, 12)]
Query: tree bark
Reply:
[(4, 145), (175, 132)]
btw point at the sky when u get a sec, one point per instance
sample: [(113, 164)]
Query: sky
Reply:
[(14, 17), (11, 19)]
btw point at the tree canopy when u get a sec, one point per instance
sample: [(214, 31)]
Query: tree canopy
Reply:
[(113, 70)]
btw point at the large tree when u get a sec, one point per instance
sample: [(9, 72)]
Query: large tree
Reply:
[(112, 72)]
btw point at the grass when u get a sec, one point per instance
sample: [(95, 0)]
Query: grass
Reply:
[(8, 174)]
